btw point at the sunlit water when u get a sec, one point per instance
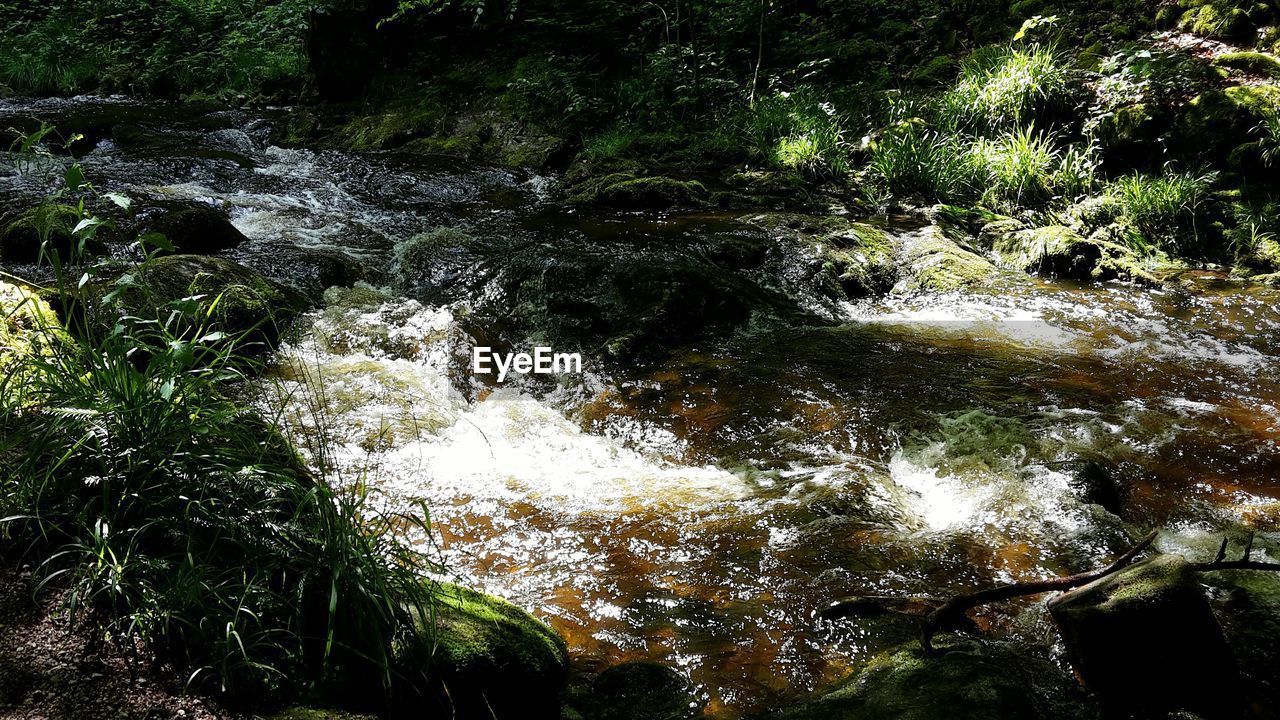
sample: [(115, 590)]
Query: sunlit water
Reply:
[(697, 507)]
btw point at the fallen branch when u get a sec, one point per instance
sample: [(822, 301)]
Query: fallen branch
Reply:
[(1219, 561), (952, 611)]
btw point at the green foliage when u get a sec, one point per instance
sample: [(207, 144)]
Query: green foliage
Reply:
[(1026, 168), (1004, 87), (798, 131), (134, 474), (911, 158), (214, 47), (1165, 207)]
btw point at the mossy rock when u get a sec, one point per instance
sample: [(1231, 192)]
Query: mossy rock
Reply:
[(855, 262), (428, 264), (1220, 120), (489, 658), (1147, 643), (961, 682), (1256, 63), (1217, 20), (962, 225), (1058, 251), (626, 191), (29, 331), (929, 261), (198, 230), (1131, 133), (52, 225), (246, 302)]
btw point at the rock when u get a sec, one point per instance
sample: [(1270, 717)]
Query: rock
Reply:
[(198, 230), (929, 261), (961, 224), (490, 660), (1217, 19), (1254, 63), (21, 239), (639, 691), (247, 302), (854, 262), (962, 682), (531, 150), (430, 263), (1097, 485), (1058, 251), (1217, 121), (623, 190), (1145, 641), (29, 330), (1131, 134)]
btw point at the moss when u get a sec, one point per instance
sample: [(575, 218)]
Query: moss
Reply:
[(1217, 20), (960, 683), (29, 330), (1126, 126), (932, 262), (21, 239), (390, 129), (1059, 251), (624, 190), (858, 259), (1261, 258), (1257, 63), (490, 657), (1220, 120)]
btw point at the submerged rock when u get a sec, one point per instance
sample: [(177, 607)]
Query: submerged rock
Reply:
[(1145, 641), (198, 230), (487, 659), (50, 225), (962, 682), (637, 691)]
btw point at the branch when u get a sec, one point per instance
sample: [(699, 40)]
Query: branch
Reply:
[(1219, 561), (951, 612)]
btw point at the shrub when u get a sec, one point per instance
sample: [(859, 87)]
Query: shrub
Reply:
[(1008, 87)]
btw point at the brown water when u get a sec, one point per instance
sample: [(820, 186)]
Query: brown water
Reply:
[(696, 503)]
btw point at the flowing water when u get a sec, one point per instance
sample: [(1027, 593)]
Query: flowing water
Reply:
[(739, 451)]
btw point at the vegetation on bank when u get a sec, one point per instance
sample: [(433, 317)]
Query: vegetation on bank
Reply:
[(146, 485)]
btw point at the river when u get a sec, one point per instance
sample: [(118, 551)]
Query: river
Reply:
[(738, 450)]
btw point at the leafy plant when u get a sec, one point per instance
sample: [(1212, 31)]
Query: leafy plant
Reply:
[(1165, 207), (1006, 87)]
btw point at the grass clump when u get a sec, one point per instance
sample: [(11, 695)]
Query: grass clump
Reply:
[(1008, 87), (136, 475), (1165, 207), (799, 131)]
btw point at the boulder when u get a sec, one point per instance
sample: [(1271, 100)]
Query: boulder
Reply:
[(429, 264), (198, 230), (931, 262), (1058, 251), (961, 682), (49, 224), (1262, 257), (486, 660), (1217, 19), (853, 262), (626, 191), (1146, 642), (246, 301), (1254, 63)]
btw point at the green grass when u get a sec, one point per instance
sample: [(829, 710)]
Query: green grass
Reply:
[(910, 158), (137, 475), (798, 131), (1007, 87), (1165, 207), (1027, 169)]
